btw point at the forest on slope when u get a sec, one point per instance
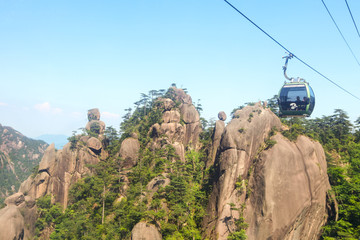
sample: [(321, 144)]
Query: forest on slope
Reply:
[(18, 157), (110, 202)]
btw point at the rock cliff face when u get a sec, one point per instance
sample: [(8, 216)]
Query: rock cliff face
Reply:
[(58, 170), (276, 186)]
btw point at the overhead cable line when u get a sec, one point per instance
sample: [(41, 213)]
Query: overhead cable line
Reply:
[(282, 46), (357, 30), (340, 32)]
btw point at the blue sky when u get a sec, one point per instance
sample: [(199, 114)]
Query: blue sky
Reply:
[(60, 58)]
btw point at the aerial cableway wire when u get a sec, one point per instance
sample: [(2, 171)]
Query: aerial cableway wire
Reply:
[(282, 46), (340, 32), (357, 30)]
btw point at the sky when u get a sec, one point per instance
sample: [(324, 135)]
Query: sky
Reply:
[(60, 58)]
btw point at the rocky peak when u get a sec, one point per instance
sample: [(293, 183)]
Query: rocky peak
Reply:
[(95, 125), (276, 186), (58, 170)]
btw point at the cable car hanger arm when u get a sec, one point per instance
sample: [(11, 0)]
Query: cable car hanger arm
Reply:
[(285, 68)]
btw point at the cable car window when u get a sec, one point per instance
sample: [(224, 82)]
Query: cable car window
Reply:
[(311, 92), (290, 94)]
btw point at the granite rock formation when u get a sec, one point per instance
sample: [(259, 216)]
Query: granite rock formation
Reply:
[(278, 189), (58, 170)]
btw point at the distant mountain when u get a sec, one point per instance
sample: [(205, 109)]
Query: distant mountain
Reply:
[(57, 139), (18, 156)]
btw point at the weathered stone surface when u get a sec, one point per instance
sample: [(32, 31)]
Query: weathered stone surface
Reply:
[(94, 144), (48, 159), (189, 113), (41, 184), (171, 116), (96, 126), (291, 183), (93, 114), (222, 116), (288, 182), (145, 231), (154, 185), (165, 103), (179, 150), (180, 95), (15, 199), (192, 133), (129, 151), (216, 138), (155, 131), (11, 223), (173, 131)]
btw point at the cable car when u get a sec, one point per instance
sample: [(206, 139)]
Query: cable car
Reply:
[(296, 98)]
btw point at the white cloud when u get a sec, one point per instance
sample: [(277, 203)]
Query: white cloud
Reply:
[(46, 107), (2, 104), (109, 115)]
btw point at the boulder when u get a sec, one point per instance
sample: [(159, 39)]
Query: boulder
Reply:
[(222, 116), (48, 159), (93, 114), (129, 151), (96, 126), (94, 144), (15, 199), (145, 231), (189, 113), (11, 223)]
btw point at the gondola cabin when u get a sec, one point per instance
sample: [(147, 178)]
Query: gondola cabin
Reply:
[(296, 99)]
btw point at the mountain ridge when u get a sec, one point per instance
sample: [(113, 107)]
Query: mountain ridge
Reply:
[(18, 156)]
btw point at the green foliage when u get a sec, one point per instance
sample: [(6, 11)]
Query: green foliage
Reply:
[(144, 116), (272, 103), (48, 214), (296, 129), (238, 235), (269, 143), (239, 184), (73, 140), (240, 224), (111, 142), (251, 115), (2, 204)]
